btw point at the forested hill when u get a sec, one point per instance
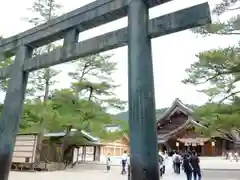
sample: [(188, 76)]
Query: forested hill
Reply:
[(159, 112)]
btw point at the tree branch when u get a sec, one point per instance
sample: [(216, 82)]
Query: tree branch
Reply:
[(228, 96), (226, 33), (211, 78), (233, 9), (90, 94)]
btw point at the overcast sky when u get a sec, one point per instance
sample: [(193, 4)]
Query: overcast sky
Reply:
[(172, 54)]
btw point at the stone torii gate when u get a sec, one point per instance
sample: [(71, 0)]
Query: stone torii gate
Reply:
[(140, 71)]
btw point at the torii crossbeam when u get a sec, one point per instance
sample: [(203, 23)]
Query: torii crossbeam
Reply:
[(143, 138)]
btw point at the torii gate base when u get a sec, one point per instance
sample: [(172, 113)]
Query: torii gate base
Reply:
[(142, 119)]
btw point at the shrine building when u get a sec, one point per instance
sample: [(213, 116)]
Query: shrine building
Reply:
[(176, 130)]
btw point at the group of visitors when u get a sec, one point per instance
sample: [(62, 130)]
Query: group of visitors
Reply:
[(232, 156), (125, 161), (190, 163)]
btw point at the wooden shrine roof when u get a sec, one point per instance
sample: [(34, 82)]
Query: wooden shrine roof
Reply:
[(176, 105), (191, 121)]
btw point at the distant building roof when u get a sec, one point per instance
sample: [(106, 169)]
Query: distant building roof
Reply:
[(89, 136), (73, 131), (176, 105), (193, 120), (112, 125)]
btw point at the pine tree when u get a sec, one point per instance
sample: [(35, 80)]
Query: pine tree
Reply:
[(92, 80), (218, 69), (42, 80)]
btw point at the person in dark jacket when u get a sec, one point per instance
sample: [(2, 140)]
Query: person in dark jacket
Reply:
[(161, 164), (178, 161), (194, 160), (187, 166)]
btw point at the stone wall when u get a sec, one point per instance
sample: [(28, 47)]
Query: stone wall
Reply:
[(52, 166)]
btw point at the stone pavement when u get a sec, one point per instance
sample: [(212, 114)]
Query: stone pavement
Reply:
[(79, 173), (219, 163), (207, 174), (213, 169)]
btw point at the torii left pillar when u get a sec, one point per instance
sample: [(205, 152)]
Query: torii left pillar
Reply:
[(14, 98)]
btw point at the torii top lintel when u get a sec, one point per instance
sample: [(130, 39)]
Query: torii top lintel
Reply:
[(89, 16), (170, 23)]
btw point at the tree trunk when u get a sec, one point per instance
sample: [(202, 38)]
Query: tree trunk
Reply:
[(94, 153), (38, 149), (47, 86), (65, 149), (237, 145), (40, 143)]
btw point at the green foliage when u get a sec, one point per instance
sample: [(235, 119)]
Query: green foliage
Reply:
[(92, 80), (38, 118), (64, 111), (226, 5), (224, 117), (230, 27), (44, 10), (82, 107), (219, 69), (4, 82), (41, 81)]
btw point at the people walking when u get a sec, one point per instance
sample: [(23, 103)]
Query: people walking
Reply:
[(230, 156), (124, 162), (161, 164), (129, 167), (236, 156), (187, 166), (166, 155), (195, 163), (173, 161), (178, 161), (108, 162)]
